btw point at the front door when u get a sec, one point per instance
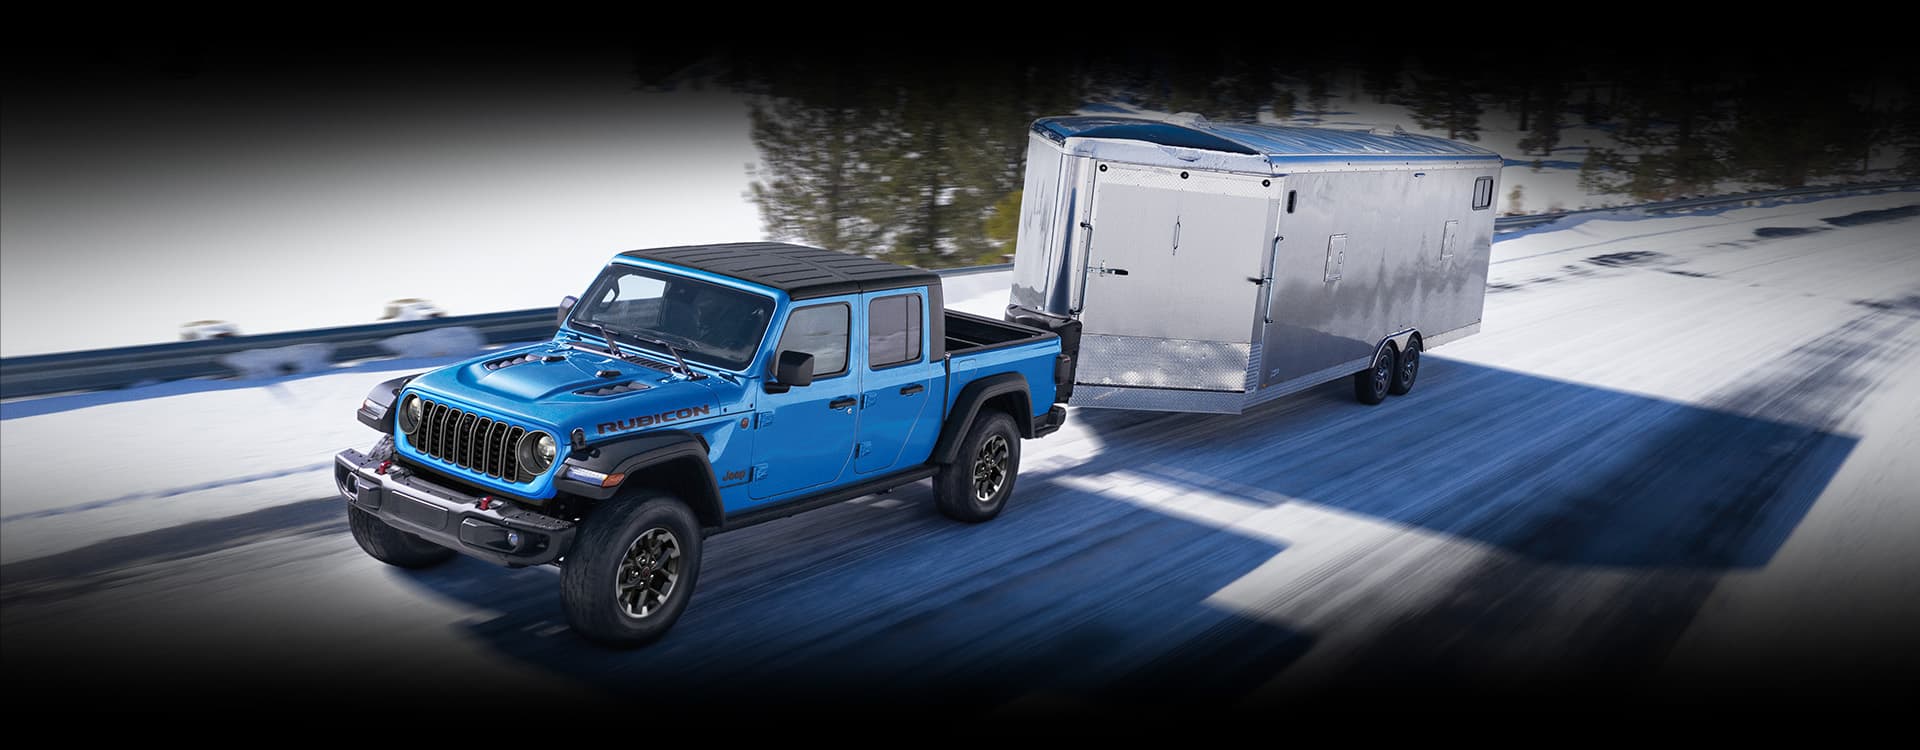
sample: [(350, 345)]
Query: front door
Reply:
[(804, 437)]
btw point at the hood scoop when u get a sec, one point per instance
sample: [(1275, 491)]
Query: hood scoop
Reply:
[(615, 389), (501, 364)]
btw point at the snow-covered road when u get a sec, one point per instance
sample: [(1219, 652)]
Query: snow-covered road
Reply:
[(1678, 458)]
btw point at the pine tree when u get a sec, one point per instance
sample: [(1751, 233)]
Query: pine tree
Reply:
[(1444, 98), (1284, 103), (1382, 78), (1550, 101), (811, 187), (1790, 127)]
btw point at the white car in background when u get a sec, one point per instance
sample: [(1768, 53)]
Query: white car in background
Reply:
[(412, 308), (201, 330)]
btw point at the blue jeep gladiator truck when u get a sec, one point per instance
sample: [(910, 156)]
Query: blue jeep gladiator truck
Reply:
[(694, 390)]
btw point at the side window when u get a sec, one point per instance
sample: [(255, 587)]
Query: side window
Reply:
[(1482, 193), (893, 331), (820, 330)]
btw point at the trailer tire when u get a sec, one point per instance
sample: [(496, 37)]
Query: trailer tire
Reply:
[(1370, 385), (393, 546), (975, 487), (631, 571), (1405, 368)]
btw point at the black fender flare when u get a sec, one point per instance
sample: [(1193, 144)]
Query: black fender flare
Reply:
[(1397, 340), (967, 406), (674, 460), (377, 410)]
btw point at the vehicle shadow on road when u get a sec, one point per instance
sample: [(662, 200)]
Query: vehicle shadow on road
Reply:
[(1077, 595), (1555, 471), (1067, 597)]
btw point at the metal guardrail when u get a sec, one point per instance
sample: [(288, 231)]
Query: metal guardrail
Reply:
[(1510, 223), (115, 368)]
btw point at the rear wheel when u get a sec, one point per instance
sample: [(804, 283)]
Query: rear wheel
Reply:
[(631, 571), (975, 487), (1370, 385), (1407, 369), (393, 546)]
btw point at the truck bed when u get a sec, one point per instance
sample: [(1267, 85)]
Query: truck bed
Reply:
[(967, 333)]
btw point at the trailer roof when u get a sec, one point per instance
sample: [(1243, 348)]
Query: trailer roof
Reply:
[(800, 271), (1276, 143)]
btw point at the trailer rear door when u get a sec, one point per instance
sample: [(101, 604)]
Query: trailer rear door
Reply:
[(1174, 266)]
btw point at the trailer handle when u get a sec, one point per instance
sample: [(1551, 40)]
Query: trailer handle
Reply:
[(1266, 282), (1085, 268)]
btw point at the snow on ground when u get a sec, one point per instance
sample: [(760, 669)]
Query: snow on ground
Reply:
[(1680, 443), (153, 462)]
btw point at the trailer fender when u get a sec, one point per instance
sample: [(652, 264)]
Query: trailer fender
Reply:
[(1398, 340)]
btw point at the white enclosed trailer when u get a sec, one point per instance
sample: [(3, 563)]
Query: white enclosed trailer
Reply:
[(1207, 267)]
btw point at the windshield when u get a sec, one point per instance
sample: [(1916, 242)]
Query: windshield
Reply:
[(710, 323)]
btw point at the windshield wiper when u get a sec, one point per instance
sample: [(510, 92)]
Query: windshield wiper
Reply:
[(613, 347), (671, 349)]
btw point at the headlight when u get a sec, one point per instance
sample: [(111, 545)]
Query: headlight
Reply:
[(410, 411), (536, 452)]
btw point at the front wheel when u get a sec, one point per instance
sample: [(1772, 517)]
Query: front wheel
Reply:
[(393, 546), (631, 571), (976, 485)]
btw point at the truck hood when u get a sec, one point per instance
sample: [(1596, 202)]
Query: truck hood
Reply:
[(562, 387)]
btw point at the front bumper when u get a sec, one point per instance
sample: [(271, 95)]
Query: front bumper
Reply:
[(406, 500)]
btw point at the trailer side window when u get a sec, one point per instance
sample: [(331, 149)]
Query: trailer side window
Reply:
[(1482, 193), (893, 331)]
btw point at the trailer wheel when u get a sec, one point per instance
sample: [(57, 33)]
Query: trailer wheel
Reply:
[(1406, 369), (975, 487), (393, 546), (631, 570), (1370, 385)]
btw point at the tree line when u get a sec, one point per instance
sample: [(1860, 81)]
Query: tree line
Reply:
[(918, 158)]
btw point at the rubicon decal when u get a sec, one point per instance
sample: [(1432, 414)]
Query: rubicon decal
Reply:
[(649, 420)]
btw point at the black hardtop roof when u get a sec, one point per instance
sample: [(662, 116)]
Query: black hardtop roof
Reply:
[(800, 271)]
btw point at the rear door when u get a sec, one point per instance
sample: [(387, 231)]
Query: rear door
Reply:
[(1176, 258), (898, 383)]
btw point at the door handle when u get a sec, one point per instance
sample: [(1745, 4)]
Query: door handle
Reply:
[(844, 402), (912, 389)]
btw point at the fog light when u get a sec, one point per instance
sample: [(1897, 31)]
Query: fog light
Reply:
[(513, 538)]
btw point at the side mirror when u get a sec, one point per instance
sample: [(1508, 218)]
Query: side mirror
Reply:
[(791, 369), (566, 306)]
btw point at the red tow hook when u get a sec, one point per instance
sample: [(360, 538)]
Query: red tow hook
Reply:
[(486, 502), (383, 467)]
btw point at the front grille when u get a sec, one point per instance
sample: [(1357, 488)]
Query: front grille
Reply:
[(470, 441)]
